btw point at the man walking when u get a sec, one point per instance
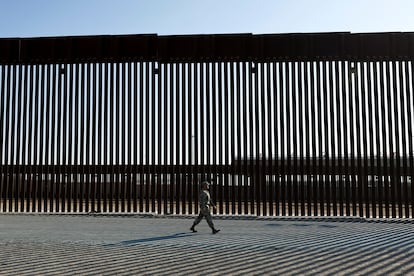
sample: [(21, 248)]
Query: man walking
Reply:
[(205, 203)]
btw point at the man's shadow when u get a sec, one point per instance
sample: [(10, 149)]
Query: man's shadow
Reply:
[(152, 239)]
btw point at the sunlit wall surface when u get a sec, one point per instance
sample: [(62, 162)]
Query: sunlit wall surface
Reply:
[(277, 135)]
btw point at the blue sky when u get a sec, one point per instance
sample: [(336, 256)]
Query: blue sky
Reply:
[(34, 18)]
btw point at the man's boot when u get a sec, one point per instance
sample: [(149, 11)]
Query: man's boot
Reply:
[(193, 229), (215, 231)]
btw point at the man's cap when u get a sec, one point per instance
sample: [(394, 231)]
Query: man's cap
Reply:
[(205, 182)]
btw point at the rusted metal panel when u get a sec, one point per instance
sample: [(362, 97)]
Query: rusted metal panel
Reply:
[(214, 47)]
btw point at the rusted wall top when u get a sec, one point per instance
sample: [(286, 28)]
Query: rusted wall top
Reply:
[(209, 48)]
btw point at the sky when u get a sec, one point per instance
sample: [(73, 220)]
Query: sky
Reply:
[(40, 18)]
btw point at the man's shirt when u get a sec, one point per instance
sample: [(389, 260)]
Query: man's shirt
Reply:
[(204, 199)]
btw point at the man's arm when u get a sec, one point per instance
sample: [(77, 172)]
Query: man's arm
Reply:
[(212, 204)]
